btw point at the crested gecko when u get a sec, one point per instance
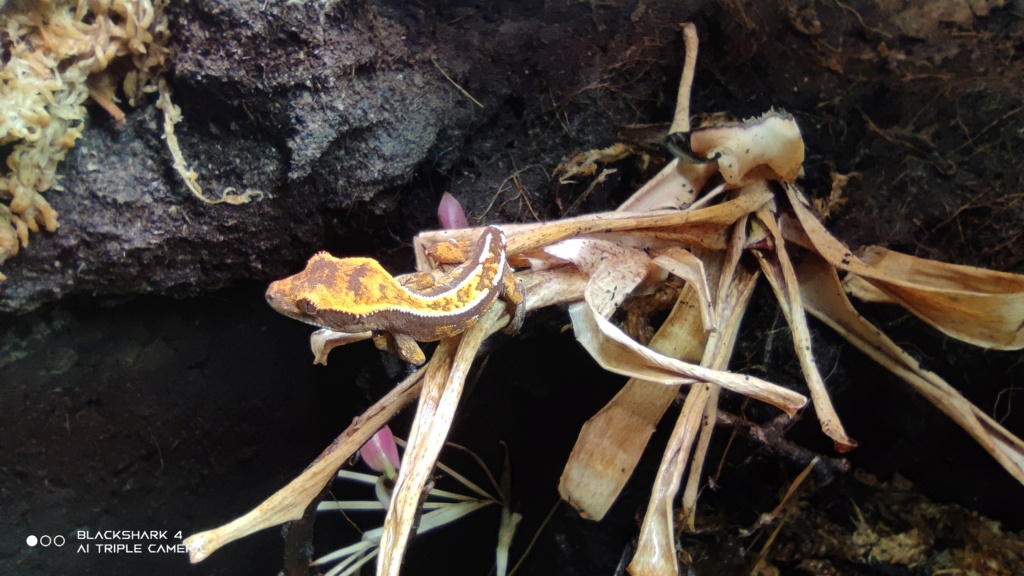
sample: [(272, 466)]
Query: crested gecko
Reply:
[(353, 295)]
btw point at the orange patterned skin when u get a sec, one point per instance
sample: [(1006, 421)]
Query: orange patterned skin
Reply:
[(353, 295)]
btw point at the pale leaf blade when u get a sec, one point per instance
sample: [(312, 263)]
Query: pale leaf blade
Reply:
[(617, 352), (442, 387), (613, 270), (611, 442), (656, 551), (824, 297), (981, 307), (677, 185), (683, 264), (778, 269)]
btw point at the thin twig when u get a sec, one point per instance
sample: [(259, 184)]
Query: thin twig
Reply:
[(779, 511), (456, 84)]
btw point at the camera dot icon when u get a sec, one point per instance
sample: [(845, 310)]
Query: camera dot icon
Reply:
[(31, 540)]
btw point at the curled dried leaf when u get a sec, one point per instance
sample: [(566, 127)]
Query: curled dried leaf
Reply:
[(612, 441), (978, 306), (614, 270), (685, 265), (617, 352), (824, 297), (769, 147)]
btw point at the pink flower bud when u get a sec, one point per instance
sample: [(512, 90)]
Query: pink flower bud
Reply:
[(450, 213), (381, 453)]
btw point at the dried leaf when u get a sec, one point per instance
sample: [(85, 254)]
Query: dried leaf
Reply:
[(864, 291), (681, 117), (594, 474), (617, 352), (443, 381), (526, 237), (824, 297), (611, 442), (290, 502), (778, 269), (769, 147), (982, 307), (677, 185), (685, 265), (613, 270), (656, 549)]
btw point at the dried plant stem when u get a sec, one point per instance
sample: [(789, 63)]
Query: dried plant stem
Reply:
[(524, 237), (688, 509), (456, 84), (443, 381), (779, 514), (735, 288), (681, 119), (771, 436), (290, 502), (778, 269), (655, 552), (731, 306)]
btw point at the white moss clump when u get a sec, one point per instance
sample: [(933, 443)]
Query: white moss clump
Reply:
[(58, 53)]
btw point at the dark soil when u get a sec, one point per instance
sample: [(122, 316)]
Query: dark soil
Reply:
[(178, 415)]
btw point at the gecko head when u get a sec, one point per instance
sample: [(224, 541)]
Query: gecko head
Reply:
[(334, 293), (283, 296)]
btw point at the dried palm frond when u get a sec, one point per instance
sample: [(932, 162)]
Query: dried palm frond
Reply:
[(719, 216)]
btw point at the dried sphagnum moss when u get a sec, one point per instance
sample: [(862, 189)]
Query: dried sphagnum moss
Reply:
[(56, 53)]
